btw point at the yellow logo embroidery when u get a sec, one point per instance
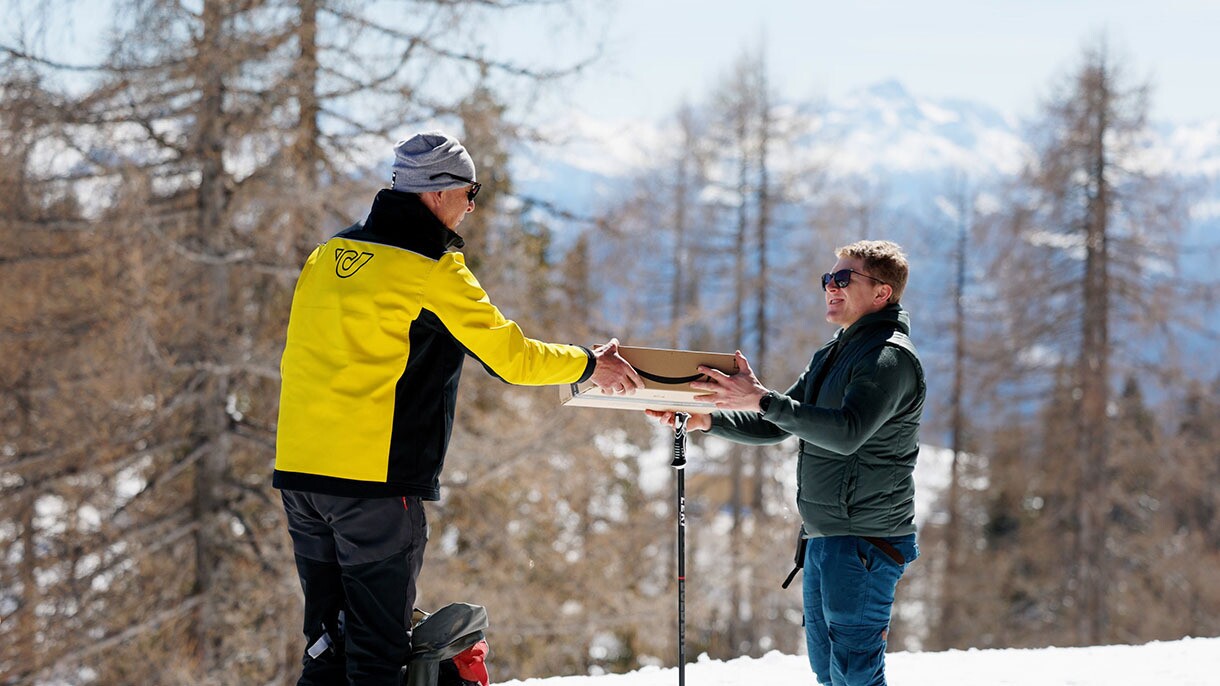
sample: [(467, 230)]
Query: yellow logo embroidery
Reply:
[(348, 262)]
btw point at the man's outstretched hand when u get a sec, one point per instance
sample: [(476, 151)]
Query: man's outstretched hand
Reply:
[(612, 372), (740, 391), (697, 422)]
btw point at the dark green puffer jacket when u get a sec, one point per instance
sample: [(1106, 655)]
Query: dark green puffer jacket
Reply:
[(859, 429)]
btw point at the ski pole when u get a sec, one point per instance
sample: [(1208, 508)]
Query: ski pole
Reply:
[(679, 464)]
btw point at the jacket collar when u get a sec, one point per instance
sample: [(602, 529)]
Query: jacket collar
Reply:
[(893, 317), (396, 211)]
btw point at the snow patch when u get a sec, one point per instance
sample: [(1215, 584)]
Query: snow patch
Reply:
[(1187, 662)]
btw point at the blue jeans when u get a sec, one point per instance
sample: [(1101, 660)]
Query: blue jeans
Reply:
[(849, 593)]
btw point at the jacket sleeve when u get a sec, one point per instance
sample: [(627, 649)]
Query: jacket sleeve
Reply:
[(456, 298), (880, 386), (752, 428)]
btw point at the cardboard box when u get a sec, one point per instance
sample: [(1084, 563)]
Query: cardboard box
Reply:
[(667, 375)]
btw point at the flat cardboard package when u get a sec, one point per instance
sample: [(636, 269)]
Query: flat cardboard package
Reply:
[(667, 375)]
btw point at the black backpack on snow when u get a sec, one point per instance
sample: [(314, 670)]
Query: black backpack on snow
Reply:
[(448, 648)]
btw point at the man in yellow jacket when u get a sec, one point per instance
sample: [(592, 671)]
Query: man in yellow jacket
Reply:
[(383, 315)]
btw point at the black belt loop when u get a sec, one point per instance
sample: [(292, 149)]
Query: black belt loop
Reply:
[(887, 548)]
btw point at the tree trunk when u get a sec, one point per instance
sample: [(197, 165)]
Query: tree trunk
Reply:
[(762, 223), (1092, 505), (212, 232), (948, 630)]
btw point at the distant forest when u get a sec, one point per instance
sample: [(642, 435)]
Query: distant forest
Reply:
[(156, 206)]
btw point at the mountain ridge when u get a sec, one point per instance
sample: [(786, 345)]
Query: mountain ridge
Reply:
[(881, 131)]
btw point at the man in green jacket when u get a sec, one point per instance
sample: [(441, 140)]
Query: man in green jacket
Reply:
[(856, 410)]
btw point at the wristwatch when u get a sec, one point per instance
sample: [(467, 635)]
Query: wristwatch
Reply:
[(765, 402)]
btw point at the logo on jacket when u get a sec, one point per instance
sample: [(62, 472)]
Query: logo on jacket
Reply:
[(348, 262)]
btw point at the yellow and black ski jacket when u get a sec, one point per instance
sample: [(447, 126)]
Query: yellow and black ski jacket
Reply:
[(382, 317)]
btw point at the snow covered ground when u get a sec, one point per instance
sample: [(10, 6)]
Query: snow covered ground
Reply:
[(1188, 662)]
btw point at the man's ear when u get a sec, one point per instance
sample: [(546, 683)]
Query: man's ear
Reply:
[(885, 293), (431, 199)]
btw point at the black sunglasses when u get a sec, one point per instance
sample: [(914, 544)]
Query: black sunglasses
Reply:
[(470, 192), (843, 277)]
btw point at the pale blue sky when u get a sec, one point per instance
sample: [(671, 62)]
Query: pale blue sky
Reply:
[(1005, 53)]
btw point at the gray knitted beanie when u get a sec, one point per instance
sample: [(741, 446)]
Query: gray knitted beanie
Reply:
[(431, 161)]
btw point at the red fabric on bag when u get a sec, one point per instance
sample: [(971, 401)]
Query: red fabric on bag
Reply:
[(471, 663)]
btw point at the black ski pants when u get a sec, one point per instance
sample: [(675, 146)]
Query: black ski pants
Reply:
[(358, 560)]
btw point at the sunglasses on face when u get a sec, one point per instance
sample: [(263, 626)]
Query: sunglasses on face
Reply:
[(843, 277), (470, 192)]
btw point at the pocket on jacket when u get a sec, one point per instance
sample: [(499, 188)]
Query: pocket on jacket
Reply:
[(823, 482)]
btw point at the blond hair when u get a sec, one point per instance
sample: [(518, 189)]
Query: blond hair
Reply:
[(883, 260)]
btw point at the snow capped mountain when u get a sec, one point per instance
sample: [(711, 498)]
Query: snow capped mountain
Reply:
[(885, 128), (1191, 149), (888, 148), (882, 133)]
